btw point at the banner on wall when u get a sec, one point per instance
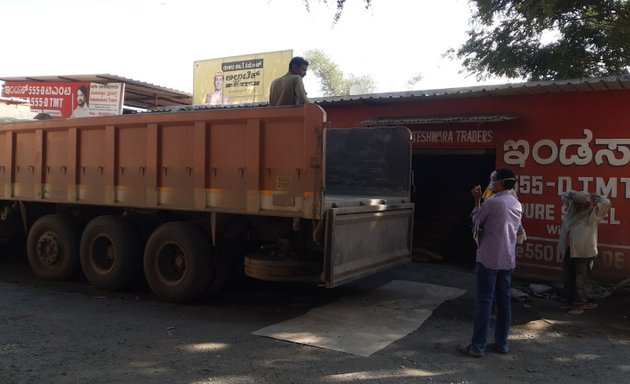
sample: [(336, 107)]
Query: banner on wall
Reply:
[(546, 167), (68, 99), (549, 162), (238, 79)]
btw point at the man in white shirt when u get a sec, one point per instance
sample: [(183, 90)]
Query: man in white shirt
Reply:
[(83, 103), (578, 245)]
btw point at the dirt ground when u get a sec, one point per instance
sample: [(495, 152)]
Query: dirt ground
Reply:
[(70, 333)]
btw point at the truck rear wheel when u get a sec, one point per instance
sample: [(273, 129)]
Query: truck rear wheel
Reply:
[(178, 262), (52, 247), (111, 256)]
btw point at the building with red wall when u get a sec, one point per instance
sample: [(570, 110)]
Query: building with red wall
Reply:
[(555, 136)]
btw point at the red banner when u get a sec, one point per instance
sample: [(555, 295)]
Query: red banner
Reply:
[(569, 159), (68, 99)]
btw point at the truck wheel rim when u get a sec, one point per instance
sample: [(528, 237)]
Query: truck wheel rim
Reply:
[(171, 263), (48, 249), (103, 254)]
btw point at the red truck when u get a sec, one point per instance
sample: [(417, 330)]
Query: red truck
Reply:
[(190, 196)]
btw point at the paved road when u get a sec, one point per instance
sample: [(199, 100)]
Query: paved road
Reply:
[(70, 333)]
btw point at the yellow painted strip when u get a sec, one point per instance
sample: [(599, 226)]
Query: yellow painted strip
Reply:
[(263, 192)]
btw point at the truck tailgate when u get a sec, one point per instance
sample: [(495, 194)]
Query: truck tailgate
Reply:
[(362, 240)]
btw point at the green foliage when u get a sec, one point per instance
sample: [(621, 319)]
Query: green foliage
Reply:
[(340, 5), (547, 39), (333, 82), (414, 80)]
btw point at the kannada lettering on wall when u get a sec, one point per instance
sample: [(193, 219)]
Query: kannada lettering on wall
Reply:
[(552, 167), (545, 151)]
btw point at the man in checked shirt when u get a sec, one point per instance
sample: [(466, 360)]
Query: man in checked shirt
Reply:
[(498, 219)]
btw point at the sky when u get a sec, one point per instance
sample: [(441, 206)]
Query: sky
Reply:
[(157, 41)]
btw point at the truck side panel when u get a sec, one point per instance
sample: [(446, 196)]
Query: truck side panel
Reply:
[(253, 161)]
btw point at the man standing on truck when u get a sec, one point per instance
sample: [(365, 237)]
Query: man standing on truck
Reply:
[(289, 89), (578, 245), (499, 219)]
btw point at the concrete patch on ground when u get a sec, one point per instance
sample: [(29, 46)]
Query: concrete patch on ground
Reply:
[(364, 324)]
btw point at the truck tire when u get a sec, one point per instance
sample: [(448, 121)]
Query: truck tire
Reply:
[(52, 247), (111, 255), (282, 269), (225, 254), (178, 262)]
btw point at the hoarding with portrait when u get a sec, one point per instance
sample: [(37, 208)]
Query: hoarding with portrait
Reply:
[(238, 79), (68, 99)]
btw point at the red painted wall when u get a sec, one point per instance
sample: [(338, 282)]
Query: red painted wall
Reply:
[(562, 141)]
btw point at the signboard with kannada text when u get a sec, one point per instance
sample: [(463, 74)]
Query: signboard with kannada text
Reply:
[(68, 99), (547, 166), (238, 79)]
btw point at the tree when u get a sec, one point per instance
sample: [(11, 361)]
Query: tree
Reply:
[(547, 39), (333, 82), (340, 5), (414, 80)]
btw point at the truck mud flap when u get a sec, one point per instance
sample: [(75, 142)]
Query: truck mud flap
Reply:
[(363, 240)]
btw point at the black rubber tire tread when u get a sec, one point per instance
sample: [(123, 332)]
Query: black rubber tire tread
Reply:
[(224, 255), (125, 241), (67, 235), (197, 251), (270, 268)]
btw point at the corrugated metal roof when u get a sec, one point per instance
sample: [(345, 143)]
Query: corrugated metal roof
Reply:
[(150, 96), (137, 93), (13, 100), (492, 91), (205, 107), (438, 120)]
